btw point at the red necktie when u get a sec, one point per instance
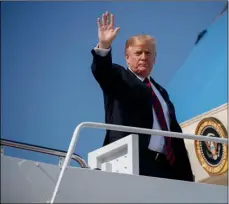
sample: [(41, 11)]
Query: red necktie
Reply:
[(161, 119)]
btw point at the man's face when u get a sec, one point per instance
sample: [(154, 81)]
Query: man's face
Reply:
[(140, 57)]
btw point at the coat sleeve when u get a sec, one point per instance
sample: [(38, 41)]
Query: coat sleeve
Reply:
[(109, 76)]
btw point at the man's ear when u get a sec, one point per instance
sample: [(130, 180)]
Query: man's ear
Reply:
[(155, 55)]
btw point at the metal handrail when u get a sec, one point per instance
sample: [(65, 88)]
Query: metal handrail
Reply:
[(76, 132), (45, 150)]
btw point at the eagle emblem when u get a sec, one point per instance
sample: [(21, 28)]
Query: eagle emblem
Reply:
[(211, 155), (213, 148)]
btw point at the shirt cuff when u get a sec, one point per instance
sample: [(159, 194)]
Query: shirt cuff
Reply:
[(101, 51)]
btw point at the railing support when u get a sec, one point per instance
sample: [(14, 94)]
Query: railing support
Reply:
[(124, 129), (40, 149)]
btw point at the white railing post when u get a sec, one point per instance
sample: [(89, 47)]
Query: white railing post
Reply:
[(124, 129)]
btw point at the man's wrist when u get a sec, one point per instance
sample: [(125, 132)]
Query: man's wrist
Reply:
[(102, 51), (103, 45)]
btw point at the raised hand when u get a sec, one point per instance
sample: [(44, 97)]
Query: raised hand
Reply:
[(106, 30)]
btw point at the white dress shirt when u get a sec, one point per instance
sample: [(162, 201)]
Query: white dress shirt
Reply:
[(156, 142)]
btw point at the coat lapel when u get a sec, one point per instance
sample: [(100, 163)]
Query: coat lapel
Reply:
[(161, 90), (138, 84)]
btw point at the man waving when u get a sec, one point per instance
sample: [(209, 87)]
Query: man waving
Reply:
[(133, 98)]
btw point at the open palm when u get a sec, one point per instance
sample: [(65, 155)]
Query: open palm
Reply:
[(106, 30)]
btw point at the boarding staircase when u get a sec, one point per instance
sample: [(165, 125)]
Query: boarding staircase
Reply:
[(27, 181)]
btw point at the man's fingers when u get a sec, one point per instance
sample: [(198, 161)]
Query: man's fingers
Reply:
[(116, 30), (112, 20), (99, 23), (104, 19), (107, 19)]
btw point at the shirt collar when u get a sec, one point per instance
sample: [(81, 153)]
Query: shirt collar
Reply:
[(139, 77)]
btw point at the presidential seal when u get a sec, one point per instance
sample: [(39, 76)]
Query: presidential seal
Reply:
[(212, 156)]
